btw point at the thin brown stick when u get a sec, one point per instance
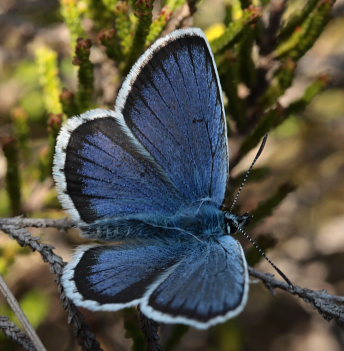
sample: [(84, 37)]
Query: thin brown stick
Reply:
[(21, 222), (329, 306), (17, 335), (14, 304)]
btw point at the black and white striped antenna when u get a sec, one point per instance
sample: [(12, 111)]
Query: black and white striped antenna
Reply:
[(256, 246), (240, 229), (262, 145)]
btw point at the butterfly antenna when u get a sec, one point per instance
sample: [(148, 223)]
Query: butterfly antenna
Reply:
[(262, 145), (255, 245)]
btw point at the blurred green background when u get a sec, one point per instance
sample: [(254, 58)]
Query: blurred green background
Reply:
[(305, 231)]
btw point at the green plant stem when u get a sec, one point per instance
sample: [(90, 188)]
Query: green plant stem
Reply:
[(235, 30), (143, 10), (85, 73), (68, 102), (158, 25), (111, 41)]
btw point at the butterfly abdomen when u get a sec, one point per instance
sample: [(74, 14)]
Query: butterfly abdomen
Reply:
[(201, 222)]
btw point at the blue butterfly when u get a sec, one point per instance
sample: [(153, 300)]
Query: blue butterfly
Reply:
[(151, 177)]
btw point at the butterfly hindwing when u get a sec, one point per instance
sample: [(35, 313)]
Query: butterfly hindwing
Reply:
[(208, 286), (174, 282), (116, 276), (171, 100)]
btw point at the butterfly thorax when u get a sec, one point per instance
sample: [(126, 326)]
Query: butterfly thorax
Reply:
[(201, 221)]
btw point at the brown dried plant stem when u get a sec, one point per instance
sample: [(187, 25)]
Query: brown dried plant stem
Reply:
[(13, 303), (150, 330), (16, 334)]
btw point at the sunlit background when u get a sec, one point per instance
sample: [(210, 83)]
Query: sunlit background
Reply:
[(305, 152)]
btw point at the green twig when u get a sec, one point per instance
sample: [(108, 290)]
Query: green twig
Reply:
[(111, 42), (143, 10), (132, 330), (49, 78), (124, 23), (73, 12), (158, 25), (20, 120), (235, 29), (177, 334), (305, 36), (85, 73), (230, 79), (54, 125), (281, 81), (68, 102), (265, 241), (257, 174), (99, 13), (296, 20), (246, 65), (266, 207)]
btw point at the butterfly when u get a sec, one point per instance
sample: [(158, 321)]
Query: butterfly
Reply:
[(150, 178)]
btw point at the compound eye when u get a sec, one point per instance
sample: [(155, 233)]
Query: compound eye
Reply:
[(232, 228)]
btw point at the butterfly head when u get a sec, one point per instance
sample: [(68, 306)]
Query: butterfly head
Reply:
[(233, 222)]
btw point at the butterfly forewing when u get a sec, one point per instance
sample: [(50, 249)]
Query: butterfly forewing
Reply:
[(172, 103), (166, 136), (101, 171)]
